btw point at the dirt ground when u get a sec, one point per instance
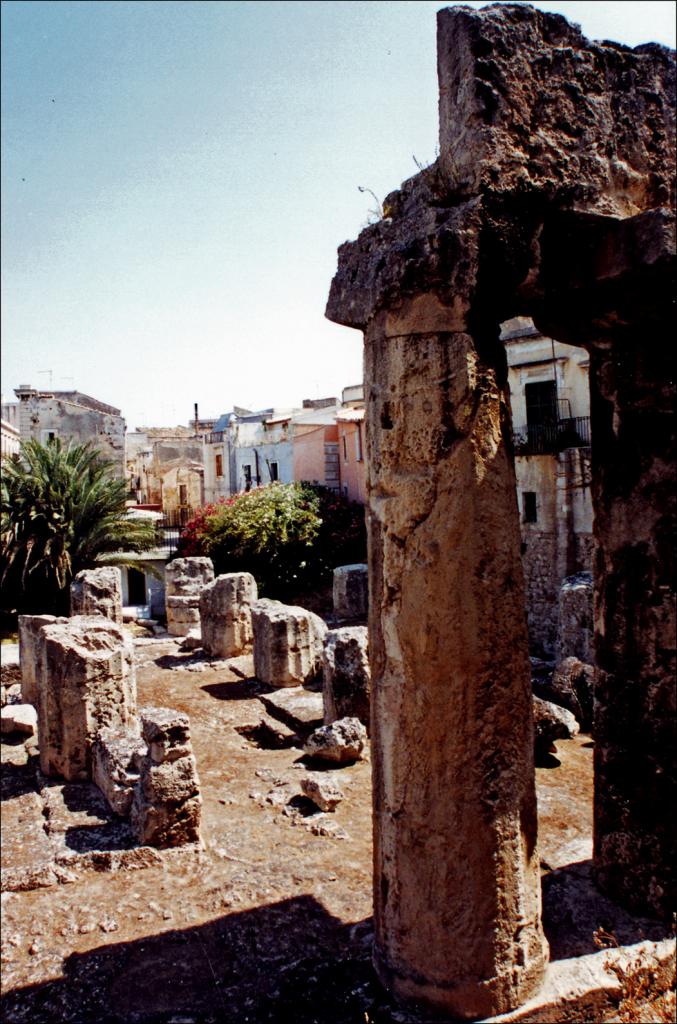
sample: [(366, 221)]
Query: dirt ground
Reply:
[(270, 921)]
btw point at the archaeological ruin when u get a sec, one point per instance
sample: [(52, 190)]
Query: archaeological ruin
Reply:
[(552, 198)]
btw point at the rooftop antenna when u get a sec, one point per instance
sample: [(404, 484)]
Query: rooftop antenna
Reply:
[(50, 376)]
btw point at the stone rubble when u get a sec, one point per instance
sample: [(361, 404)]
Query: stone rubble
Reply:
[(287, 643), (98, 592), (572, 687), (551, 723), (167, 804), (225, 615), (346, 677), (351, 591), (184, 580), (322, 790), (342, 742)]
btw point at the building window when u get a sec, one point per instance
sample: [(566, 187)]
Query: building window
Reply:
[(358, 443), (529, 506), (183, 494), (48, 435), (274, 472), (247, 470), (219, 465), (345, 449)]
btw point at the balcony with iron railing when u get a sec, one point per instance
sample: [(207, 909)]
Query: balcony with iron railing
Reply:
[(549, 438)]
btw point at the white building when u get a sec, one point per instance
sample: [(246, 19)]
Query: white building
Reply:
[(550, 401)]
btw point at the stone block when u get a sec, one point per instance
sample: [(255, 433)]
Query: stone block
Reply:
[(117, 755), (187, 576), (351, 591), (183, 615), (167, 804), (87, 682), (346, 679), (575, 618), (323, 791), (551, 723), (287, 643), (225, 615), (572, 687), (98, 592), (29, 652), (19, 718), (341, 742)]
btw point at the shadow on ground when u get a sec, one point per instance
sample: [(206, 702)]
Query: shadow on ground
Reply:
[(289, 961), (579, 919)]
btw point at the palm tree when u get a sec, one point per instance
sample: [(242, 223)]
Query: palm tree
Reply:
[(61, 511)]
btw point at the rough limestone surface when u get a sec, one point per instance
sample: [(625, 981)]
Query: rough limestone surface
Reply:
[(346, 678), (29, 651), (341, 742), (167, 804), (117, 755), (225, 615), (551, 723), (553, 197), (572, 687), (323, 791), (98, 592), (87, 682), (19, 718), (287, 643), (575, 618), (185, 579), (351, 591)]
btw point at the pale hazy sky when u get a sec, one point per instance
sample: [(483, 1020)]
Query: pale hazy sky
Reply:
[(177, 176)]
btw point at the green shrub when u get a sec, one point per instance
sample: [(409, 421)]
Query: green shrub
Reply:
[(290, 537)]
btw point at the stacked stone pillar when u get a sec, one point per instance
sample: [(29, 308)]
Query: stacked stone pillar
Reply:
[(185, 578), (87, 682), (287, 643)]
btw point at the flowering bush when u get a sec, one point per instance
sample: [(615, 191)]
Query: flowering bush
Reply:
[(289, 536)]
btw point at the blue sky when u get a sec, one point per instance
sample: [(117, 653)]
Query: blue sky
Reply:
[(176, 178)]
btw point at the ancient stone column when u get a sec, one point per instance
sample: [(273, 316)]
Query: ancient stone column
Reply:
[(346, 679), (457, 892), (287, 643), (635, 727), (86, 682), (351, 591), (167, 805), (29, 652), (98, 592), (184, 579), (226, 615)]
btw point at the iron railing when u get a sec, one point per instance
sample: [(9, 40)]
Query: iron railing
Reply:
[(547, 438)]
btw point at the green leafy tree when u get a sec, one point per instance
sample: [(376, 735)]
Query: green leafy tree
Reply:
[(290, 537), (61, 511)]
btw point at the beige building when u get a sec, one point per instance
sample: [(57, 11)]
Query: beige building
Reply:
[(550, 401), (165, 468), (72, 416), (10, 439)]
